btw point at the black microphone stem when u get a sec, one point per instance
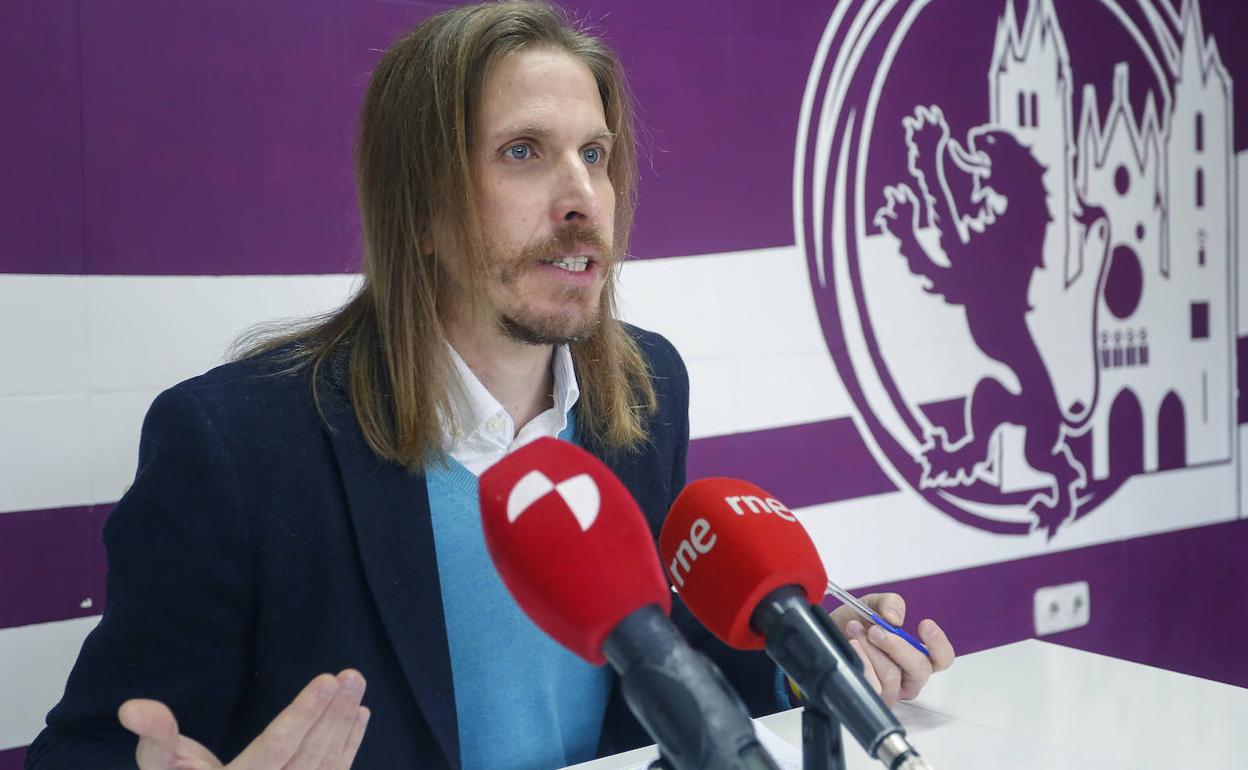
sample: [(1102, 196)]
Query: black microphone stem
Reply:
[(681, 698), (804, 642), (822, 748)]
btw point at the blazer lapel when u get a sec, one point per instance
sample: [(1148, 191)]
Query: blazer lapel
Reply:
[(389, 508)]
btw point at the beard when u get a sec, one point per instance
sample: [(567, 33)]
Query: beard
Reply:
[(547, 331), (534, 328)]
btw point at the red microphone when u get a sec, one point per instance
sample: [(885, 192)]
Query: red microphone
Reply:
[(570, 543), (747, 569), (749, 542), (576, 553)]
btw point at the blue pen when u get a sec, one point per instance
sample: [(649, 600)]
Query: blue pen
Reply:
[(850, 601)]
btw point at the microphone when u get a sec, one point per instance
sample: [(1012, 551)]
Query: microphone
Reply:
[(747, 569), (576, 553)]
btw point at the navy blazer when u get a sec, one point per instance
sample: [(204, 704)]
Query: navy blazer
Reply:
[(261, 545)]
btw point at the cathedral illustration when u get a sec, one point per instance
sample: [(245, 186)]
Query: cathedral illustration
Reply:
[(1157, 287)]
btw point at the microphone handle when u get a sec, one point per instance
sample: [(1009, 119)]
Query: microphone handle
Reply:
[(810, 649), (681, 698)]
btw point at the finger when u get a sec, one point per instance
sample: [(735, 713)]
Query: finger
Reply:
[(842, 616), (886, 671), (891, 607), (157, 729), (160, 745), (914, 669), (868, 671), (282, 738), (938, 645), (354, 739), (195, 763), (351, 718), (328, 737), (149, 719)]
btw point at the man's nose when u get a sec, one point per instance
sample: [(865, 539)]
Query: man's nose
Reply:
[(575, 198)]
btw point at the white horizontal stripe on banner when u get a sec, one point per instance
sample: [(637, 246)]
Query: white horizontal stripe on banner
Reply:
[(898, 536), (34, 664), (97, 349), (87, 354)]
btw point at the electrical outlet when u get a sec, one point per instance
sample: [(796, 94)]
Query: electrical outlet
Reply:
[(1061, 608)]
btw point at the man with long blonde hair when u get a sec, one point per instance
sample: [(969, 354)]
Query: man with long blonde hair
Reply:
[(312, 506)]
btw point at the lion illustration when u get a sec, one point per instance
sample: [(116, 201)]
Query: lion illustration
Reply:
[(993, 242)]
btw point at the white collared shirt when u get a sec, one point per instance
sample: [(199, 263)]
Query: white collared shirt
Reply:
[(483, 432)]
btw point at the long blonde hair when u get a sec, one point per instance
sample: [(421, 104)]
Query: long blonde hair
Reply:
[(415, 186)]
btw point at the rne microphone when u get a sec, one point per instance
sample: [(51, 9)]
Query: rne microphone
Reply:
[(747, 569), (576, 553)]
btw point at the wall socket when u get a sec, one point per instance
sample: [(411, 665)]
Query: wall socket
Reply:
[(1061, 608)]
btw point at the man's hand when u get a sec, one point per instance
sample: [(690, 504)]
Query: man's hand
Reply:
[(896, 670), (320, 730)]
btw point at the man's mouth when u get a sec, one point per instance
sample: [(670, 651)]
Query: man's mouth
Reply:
[(571, 264)]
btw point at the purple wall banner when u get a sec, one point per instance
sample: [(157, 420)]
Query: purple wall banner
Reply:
[(818, 462), (1005, 232), (12, 759), (51, 565), (234, 157)]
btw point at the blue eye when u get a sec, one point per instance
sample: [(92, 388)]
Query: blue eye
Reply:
[(592, 155), (518, 152)]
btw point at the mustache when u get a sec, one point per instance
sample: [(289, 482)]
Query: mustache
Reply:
[(566, 241)]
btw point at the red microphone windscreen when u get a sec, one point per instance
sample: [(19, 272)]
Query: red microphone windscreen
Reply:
[(726, 545), (570, 543)]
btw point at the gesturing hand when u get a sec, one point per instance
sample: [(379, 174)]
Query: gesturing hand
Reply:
[(321, 729), (895, 669)]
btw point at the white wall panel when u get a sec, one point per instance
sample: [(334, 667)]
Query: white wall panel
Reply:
[(711, 385), (34, 663), (153, 331), (1241, 273), (86, 356), (1241, 436), (116, 419), (860, 544), (43, 342), (44, 449), (746, 326), (732, 304), (780, 389)]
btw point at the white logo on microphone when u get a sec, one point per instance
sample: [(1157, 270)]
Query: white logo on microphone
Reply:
[(579, 493)]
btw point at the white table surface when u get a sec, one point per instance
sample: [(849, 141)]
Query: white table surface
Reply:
[(1039, 706)]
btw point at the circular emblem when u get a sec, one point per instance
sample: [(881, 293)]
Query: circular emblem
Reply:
[(1003, 217)]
